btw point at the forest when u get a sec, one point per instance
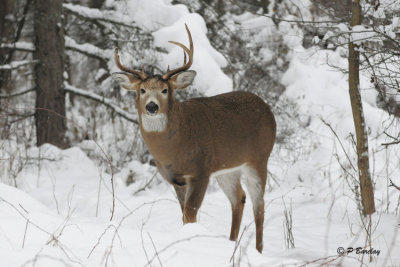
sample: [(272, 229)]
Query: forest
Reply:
[(80, 187)]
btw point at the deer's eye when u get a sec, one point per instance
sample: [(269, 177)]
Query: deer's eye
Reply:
[(164, 91), (142, 91)]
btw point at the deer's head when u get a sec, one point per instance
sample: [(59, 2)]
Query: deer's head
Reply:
[(154, 93)]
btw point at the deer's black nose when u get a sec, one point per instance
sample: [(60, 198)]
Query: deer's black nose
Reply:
[(152, 108)]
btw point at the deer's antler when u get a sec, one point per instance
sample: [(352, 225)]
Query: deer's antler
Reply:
[(139, 74), (188, 51)]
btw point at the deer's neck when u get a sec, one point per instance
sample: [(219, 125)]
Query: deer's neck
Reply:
[(164, 142)]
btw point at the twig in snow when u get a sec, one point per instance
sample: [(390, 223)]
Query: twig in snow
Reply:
[(23, 208), (98, 192), (104, 153), (395, 142), (325, 261), (237, 245), (118, 226), (143, 247), (288, 226), (52, 236), (394, 185), (180, 241), (146, 185), (141, 234), (99, 239), (55, 237), (340, 142), (32, 262), (368, 241), (26, 229), (155, 249)]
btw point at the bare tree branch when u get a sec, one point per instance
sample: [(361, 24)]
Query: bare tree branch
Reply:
[(101, 99), (88, 50), (17, 94), (70, 44), (21, 24), (27, 116), (395, 142), (395, 186)]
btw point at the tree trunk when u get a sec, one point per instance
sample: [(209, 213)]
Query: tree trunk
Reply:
[(265, 4), (50, 99), (6, 36), (366, 188), (96, 3)]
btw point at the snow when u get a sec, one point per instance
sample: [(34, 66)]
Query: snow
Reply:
[(25, 46), (342, 27), (396, 24), (362, 34), (93, 13), (207, 61), (162, 14), (63, 200), (57, 210)]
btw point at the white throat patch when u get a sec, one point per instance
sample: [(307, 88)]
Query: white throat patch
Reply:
[(154, 123)]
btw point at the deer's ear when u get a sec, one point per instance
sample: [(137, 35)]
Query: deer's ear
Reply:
[(183, 79), (126, 80)]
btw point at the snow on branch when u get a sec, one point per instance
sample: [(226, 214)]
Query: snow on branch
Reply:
[(100, 15), (88, 49), (101, 99), (70, 44), (17, 64), (21, 46), (361, 34)]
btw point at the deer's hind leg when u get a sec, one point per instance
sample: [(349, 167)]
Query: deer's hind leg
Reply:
[(255, 181), (230, 184)]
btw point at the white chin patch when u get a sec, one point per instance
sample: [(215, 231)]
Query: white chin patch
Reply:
[(154, 123)]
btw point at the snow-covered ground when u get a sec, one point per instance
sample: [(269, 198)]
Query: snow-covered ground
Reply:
[(59, 215), (57, 210)]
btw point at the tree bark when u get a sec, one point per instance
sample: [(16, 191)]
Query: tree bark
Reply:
[(366, 188), (6, 36), (50, 99)]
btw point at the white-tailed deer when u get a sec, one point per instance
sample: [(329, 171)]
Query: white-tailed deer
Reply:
[(220, 136)]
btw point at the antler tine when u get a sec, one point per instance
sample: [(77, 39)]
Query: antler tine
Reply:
[(141, 74), (143, 70), (189, 51)]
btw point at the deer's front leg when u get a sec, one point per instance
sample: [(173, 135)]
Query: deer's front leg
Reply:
[(196, 188), (180, 194)]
